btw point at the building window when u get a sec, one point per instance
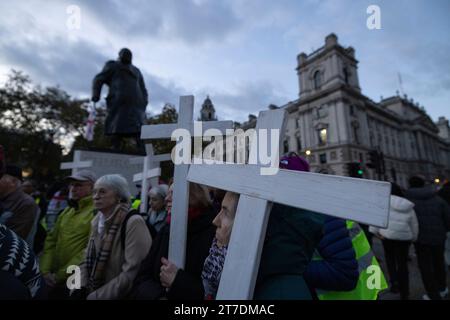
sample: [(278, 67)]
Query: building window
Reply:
[(352, 110), (321, 112), (333, 155), (394, 174), (286, 146), (346, 75), (323, 158), (299, 142), (322, 136), (317, 80), (371, 139), (355, 133)]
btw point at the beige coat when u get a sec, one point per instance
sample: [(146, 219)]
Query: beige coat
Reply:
[(122, 267)]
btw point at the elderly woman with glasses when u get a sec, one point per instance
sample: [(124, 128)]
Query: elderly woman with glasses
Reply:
[(157, 214), (113, 255)]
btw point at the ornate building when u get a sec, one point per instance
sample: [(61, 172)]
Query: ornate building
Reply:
[(339, 129), (207, 112)]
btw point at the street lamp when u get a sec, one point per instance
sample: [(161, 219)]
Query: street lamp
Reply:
[(308, 152), (27, 172)]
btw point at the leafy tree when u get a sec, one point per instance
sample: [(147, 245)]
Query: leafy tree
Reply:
[(168, 115), (32, 109), (36, 153), (35, 121)]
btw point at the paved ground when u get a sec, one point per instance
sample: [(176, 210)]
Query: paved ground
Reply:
[(415, 281)]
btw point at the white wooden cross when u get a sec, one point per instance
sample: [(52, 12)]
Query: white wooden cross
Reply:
[(178, 224), (151, 171), (349, 198), (76, 164)]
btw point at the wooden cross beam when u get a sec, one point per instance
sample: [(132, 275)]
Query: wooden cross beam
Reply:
[(361, 200), (178, 224), (150, 164), (76, 164), (151, 173)]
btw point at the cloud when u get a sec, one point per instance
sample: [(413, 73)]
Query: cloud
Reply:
[(71, 65), (246, 98), (240, 52), (161, 92), (191, 22)]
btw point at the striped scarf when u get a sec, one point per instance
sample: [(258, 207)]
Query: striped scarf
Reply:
[(96, 262)]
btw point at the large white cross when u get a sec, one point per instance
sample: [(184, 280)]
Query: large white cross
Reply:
[(178, 224), (349, 198), (76, 164), (151, 171)]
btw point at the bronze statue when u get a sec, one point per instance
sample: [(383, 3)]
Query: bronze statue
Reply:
[(126, 100)]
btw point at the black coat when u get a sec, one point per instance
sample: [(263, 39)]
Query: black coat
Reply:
[(187, 284), (291, 238), (126, 100), (433, 215), (444, 193)]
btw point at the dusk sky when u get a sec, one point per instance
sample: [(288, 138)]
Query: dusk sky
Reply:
[(240, 52)]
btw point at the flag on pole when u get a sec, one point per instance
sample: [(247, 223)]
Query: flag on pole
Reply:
[(400, 82), (90, 123)]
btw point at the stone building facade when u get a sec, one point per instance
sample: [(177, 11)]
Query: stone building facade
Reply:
[(335, 126)]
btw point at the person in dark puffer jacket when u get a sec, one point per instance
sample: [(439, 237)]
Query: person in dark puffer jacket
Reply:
[(293, 233), (433, 215), (337, 268)]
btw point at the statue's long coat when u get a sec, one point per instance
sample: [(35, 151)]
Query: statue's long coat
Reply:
[(126, 100)]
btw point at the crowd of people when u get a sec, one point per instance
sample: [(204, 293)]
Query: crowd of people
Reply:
[(122, 253)]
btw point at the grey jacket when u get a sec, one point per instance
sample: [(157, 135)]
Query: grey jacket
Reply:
[(433, 215)]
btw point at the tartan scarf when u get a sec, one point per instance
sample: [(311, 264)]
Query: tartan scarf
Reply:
[(96, 262), (212, 270)]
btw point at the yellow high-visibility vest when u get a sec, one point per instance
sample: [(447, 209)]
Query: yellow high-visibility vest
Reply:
[(135, 204), (365, 288)]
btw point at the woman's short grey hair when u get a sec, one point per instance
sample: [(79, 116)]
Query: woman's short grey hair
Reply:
[(117, 183), (159, 191)]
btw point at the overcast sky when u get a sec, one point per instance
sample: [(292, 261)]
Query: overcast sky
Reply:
[(240, 52)]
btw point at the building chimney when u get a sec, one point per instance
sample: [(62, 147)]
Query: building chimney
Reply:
[(301, 59), (331, 40)]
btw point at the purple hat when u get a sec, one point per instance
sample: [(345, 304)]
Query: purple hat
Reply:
[(294, 162)]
